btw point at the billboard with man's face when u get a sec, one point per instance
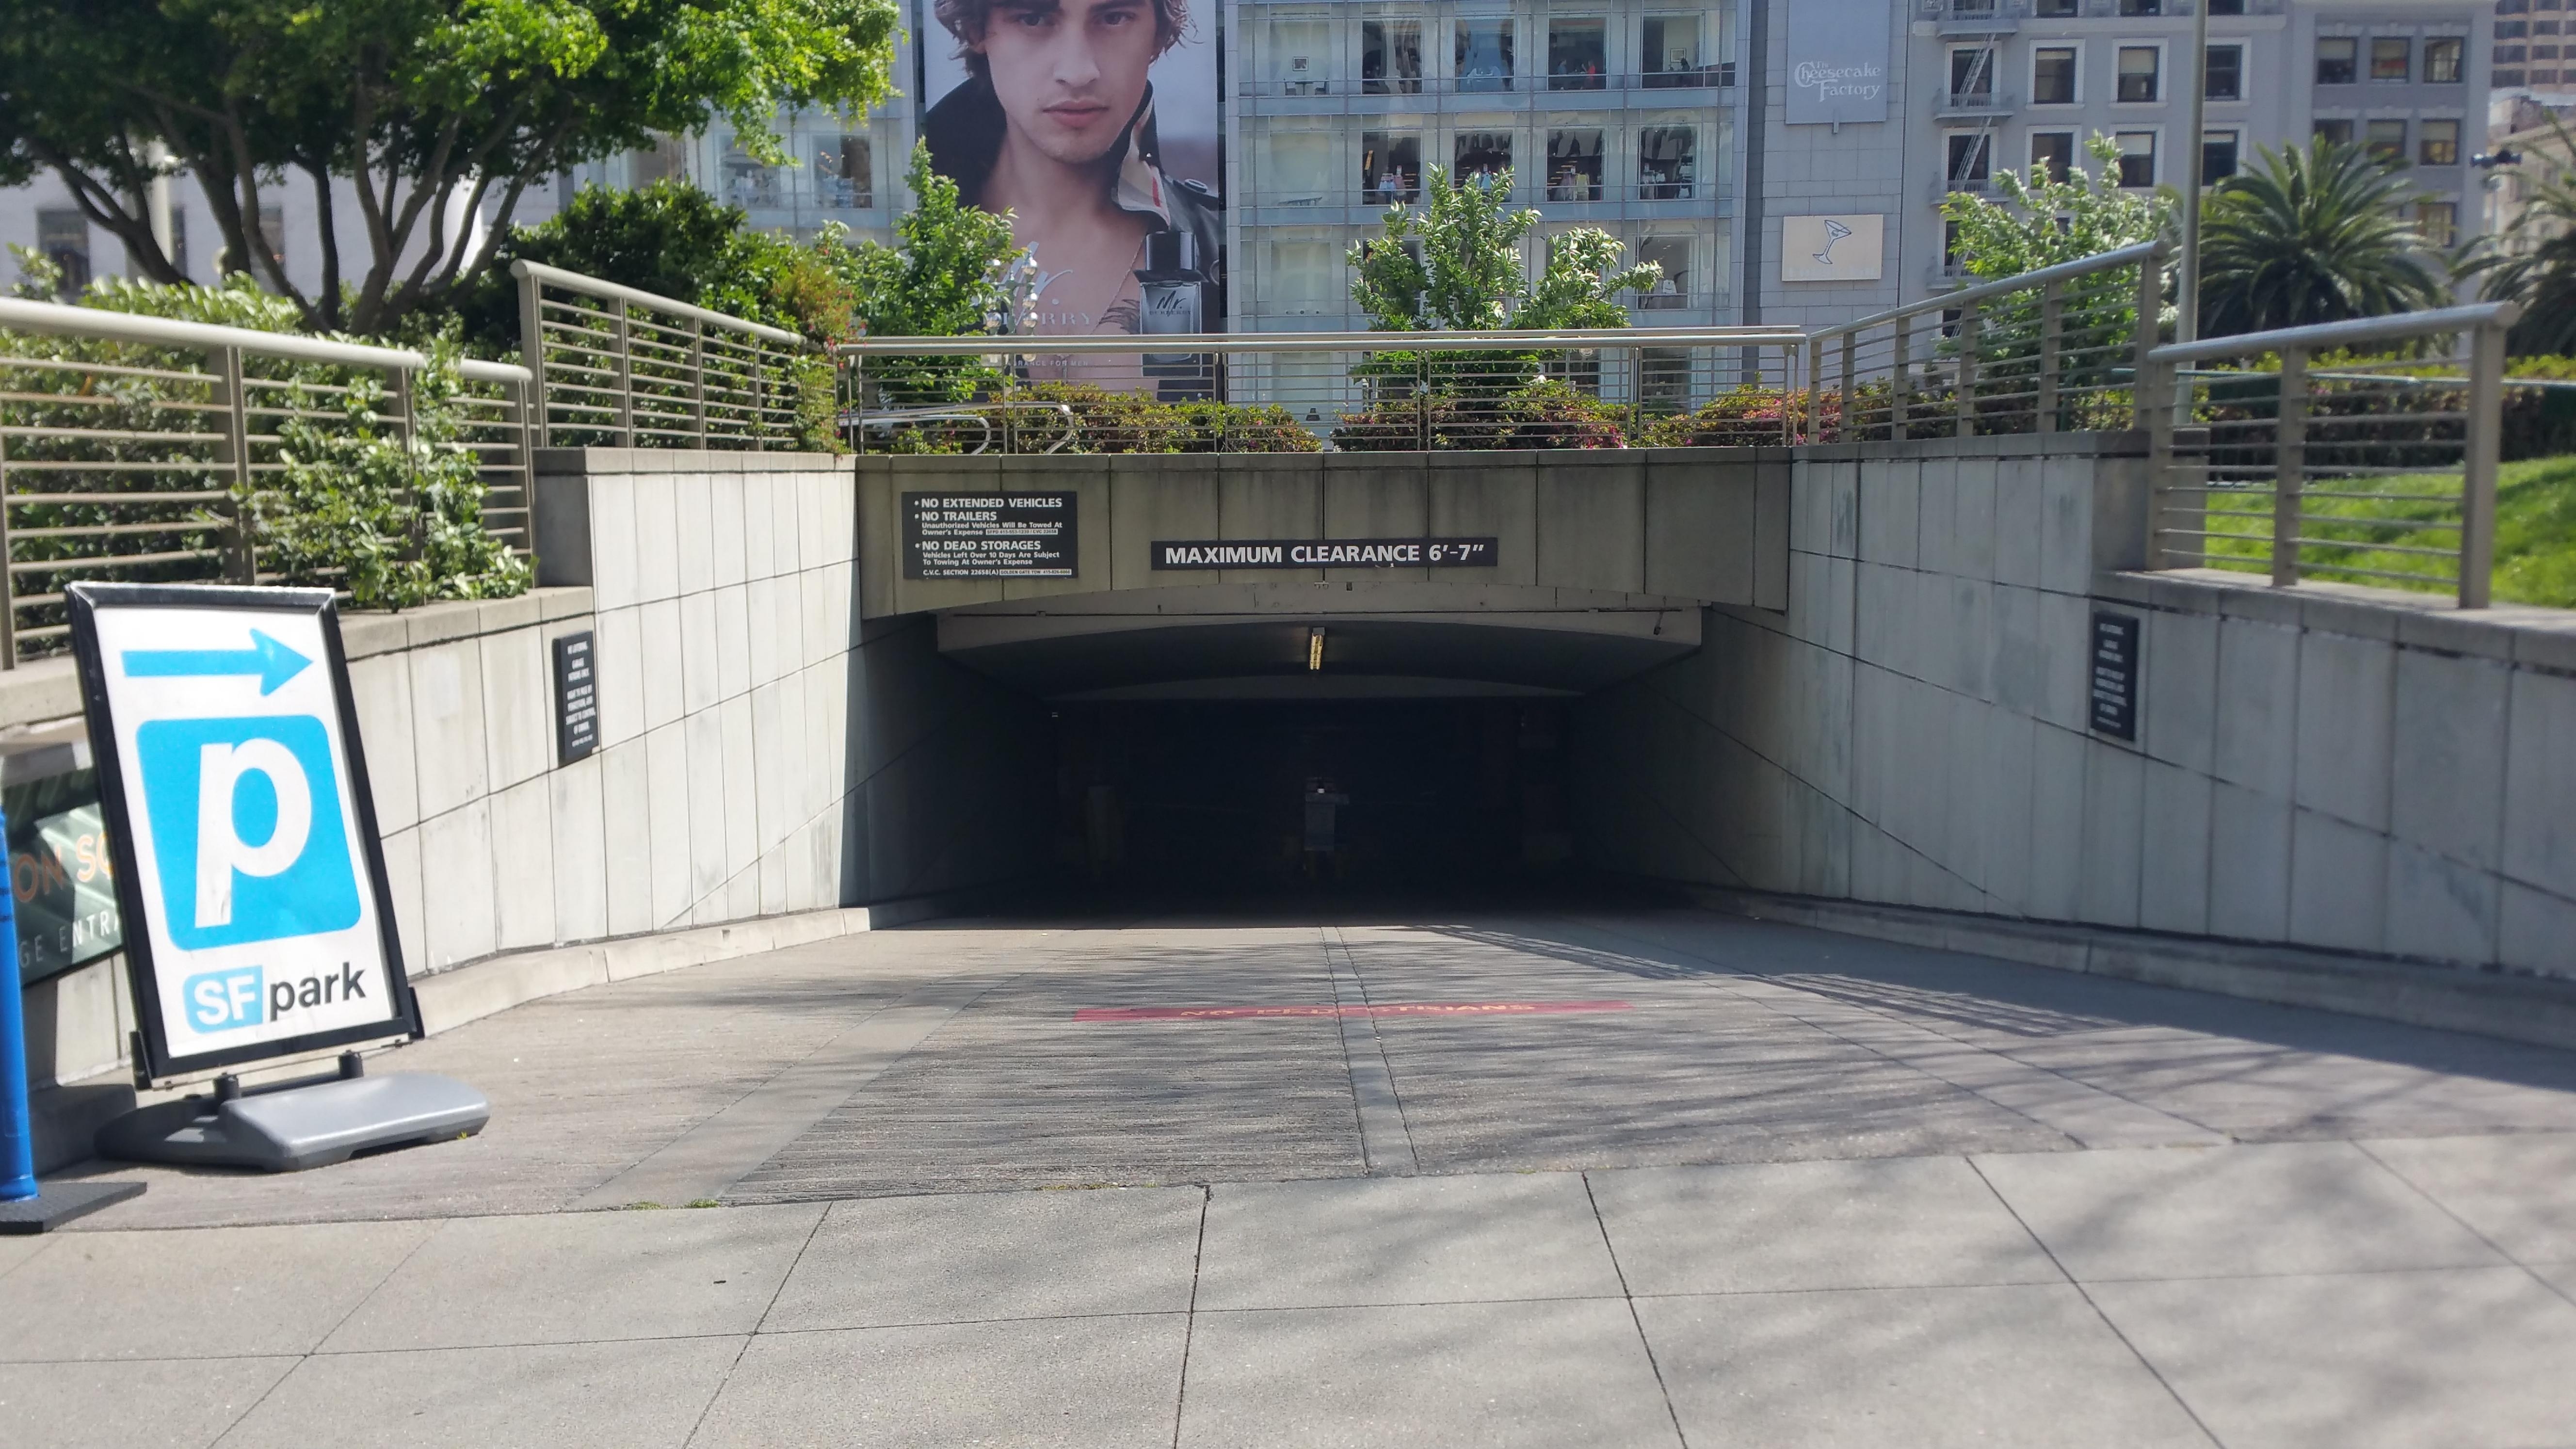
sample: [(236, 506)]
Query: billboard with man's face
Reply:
[(1095, 124)]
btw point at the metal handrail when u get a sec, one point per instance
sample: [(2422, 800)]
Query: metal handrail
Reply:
[(1218, 343), (633, 366), (2378, 434), (167, 453), (2001, 287)]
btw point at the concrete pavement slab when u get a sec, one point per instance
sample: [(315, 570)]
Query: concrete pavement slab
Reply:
[(2008, 1367), (2479, 1358), (197, 1293), (953, 1259), (2182, 1212), (2517, 1189), (16, 1250), (1078, 1383), (580, 1276), (1493, 1375), (635, 1395), (1402, 1240), (176, 1402), (1902, 1222), (2561, 1276)]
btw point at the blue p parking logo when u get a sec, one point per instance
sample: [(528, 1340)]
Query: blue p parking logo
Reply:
[(247, 831)]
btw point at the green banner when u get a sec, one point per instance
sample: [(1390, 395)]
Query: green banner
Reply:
[(61, 875)]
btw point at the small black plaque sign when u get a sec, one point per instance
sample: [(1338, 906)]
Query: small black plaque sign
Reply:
[(988, 536), (576, 698), (2115, 674), (1326, 553)]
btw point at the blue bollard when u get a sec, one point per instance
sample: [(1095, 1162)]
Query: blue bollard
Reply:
[(17, 1138)]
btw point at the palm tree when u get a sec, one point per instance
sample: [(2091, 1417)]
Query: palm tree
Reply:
[(2312, 234), (2537, 265)]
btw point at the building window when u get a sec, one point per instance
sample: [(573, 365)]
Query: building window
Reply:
[(1391, 57), (2392, 58), (1574, 165), (1672, 289), (2334, 133), (1301, 278), (272, 234), (2437, 143), (2142, 7), (2056, 9), (2505, 79), (2052, 154), (179, 239), (2224, 72), (2218, 156), (63, 236), (1667, 161), (845, 168), (2437, 221), (748, 181), (1391, 166), (1972, 75), (1669, 51), (1481, 153), (2385, 140), (2338, 60), (2137, 159), (1301, 168), (1578, 54), (1953, 260), (2442, 62), (2226, 7), (2052, 75), (2141, 73), (1971, 160), (1482, 53), (2509, 54)]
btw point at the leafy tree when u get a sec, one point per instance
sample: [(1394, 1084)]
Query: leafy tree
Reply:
[(431, 109), (2311, 234), (1457, 265), (953, 271), (2042, 221)]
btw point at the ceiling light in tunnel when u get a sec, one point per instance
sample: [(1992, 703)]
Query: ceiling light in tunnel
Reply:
[(1315, 647)]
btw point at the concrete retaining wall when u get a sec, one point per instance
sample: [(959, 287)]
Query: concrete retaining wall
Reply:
[(2346, 769), (761, 753), (1704, 524)]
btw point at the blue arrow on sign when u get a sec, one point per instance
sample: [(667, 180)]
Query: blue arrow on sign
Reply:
[(273, 662)]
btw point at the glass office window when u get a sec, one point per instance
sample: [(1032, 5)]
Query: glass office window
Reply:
[(1481, 153), (2392, 58), (1302, 277), (2141, 73), (2052, 154), (1578, 53), (1574, 164), (2438, 222), (2336, 133), (2137, 159), (2219, 157), (2142, 7), (1481, 49), (1971, 158), (2056, 9), (1972, 72), (2437, 143), (1301, 168), (63, 236), (2338, 60), (2052, 75), (1673, 289), (1669, 51), (845, 172), (1299, 52), (1667, 162), (1391, 57), (2225, 72), (1391, 166), (2385, 139), (749, 181), (2442, 62)]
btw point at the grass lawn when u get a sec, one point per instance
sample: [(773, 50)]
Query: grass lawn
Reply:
[(2535, 556)]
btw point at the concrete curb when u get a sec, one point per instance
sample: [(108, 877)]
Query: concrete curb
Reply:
[(2533, 1009), (67, 1116)]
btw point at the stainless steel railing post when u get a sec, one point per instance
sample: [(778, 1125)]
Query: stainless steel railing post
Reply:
[(2479, 465)]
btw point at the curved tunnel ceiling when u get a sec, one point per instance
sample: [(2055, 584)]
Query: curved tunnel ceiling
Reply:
[(1405, 640)]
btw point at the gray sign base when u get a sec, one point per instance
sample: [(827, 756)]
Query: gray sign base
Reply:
[(59, 1202), (293, 1128)]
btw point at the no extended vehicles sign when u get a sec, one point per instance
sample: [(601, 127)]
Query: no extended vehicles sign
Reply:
[(245, 833)]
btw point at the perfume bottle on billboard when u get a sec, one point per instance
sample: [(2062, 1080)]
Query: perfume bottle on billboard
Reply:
[(1174, 283)]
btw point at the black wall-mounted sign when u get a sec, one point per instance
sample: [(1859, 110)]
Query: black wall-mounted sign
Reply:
[(988, 536), (576, 698), (1326, 553), (2115, 674)]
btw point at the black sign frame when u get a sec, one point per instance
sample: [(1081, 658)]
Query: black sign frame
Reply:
[(576, 680), (154, 1062), (1208, 554), (1061, 558), (2111, 681)]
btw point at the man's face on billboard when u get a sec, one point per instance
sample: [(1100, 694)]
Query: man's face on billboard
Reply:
[(1070, 72)]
